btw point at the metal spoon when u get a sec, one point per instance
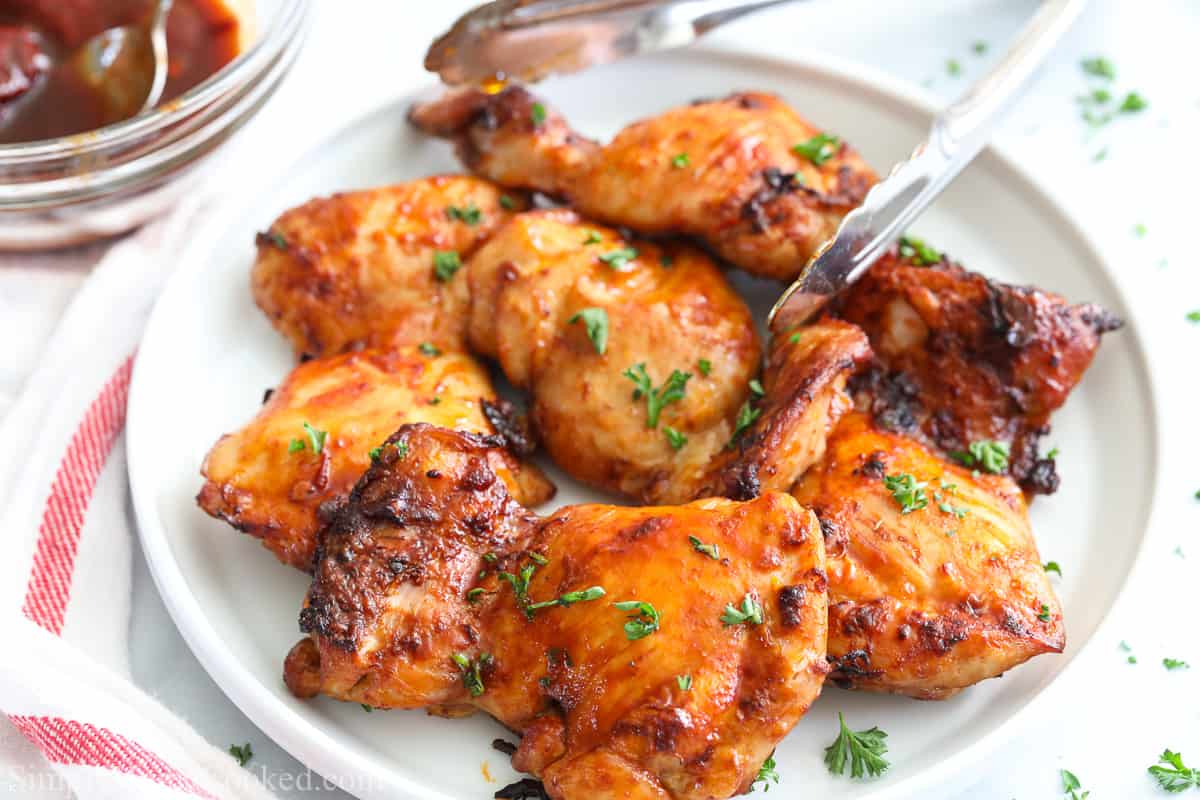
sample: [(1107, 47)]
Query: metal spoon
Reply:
[(530, 39), (126, 66)]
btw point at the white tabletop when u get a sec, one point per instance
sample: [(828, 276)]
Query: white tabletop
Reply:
[(1116, 717)]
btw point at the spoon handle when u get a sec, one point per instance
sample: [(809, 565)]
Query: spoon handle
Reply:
[(957, 135), (157, 29)]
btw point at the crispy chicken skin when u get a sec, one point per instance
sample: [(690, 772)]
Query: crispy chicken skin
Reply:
[(668, 308), (357, 269), (960, 358), (929, 602), (396, 622), (724, 171), (258, 481)]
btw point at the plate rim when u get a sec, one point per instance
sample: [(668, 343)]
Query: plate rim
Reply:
[(325, 754)]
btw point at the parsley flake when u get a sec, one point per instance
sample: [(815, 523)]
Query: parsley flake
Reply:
[(1071, 785), (863, 749), (953, 68), (674, 438), (567, 598), (520, 586), (819, 148), (766, 773), (316, 440), (537, 114), (295, 445), (470, 213), (595, 322), (979, 47), (429, 349), (1052, 566), (242, 753), (276, 239), (705, 367), (642, 622), (709, 550), (445, 264), (1099, 67), (619, 259), (506, 202), (684, 682), (1172, 775), (472, 671), (1133, 103), (1044, 613), (989, 455), (917, 251), (680, 161), (756, 388), (592, 238), (907, 491), (671, 391), (1194, 316), (1174, 664), (751, 612), (746, 417)]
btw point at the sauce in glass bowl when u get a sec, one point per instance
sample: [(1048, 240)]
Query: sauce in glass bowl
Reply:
[(41, 100)]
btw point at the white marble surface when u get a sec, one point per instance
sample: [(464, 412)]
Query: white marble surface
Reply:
[(1115, 717)]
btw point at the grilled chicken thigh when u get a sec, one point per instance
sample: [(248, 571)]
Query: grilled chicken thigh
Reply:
[(935, 582), (656, 652), (641, 361), (376, 267), (758, 184), (313, 437), (962, 359)]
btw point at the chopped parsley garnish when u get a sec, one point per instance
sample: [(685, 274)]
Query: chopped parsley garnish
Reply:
[(1172, 775), (746, 417), (1053, 454), (538, 558), (1071, 785), (756, 388), (1052, 566), (705, 367), (520, 586), (680, 161), (366, 708), (595, 322), (429, 349), (907, 491), (506, 202), (295, 445), (276, 238), (537, 114), (1044, 613), (242, 752), (592, 238), (1133, 103), (979, 47), (751, 612), (474, 594), (917, 251), (709, 550), (1099, 67), (642, 622), (988, 455), (953, 68), (471, 671), (1125, 648), (316, 440), (684, 682), (674, 438), (469, 213), (1139, 230), (946, 508), (1174, 664), (863, 749), (1194, 316), (1101, 154), (445, 264), (766, 774), (671, 391), (567, 598), (435, 400), (819, 148), (618, 259)]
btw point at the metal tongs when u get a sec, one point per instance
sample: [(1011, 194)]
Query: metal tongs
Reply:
[(530, 39)]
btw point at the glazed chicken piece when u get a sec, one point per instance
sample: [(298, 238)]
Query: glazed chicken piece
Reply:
[(280, 475), (963, 359), (666, 412), (758, 184), (934, 585), (376, 267), (657, 652)]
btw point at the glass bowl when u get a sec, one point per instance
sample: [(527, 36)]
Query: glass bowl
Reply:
[(74, 189)]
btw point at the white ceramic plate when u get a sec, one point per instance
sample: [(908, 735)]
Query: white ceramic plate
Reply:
[(208, 354)]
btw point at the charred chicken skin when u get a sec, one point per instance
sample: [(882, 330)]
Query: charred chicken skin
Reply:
[(278, 476), (376, 267), (758, 184), (641, 362), (935, 582), (434, 588), (963, 359)]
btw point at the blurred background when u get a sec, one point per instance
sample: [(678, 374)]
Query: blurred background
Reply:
[(1131, 182)]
